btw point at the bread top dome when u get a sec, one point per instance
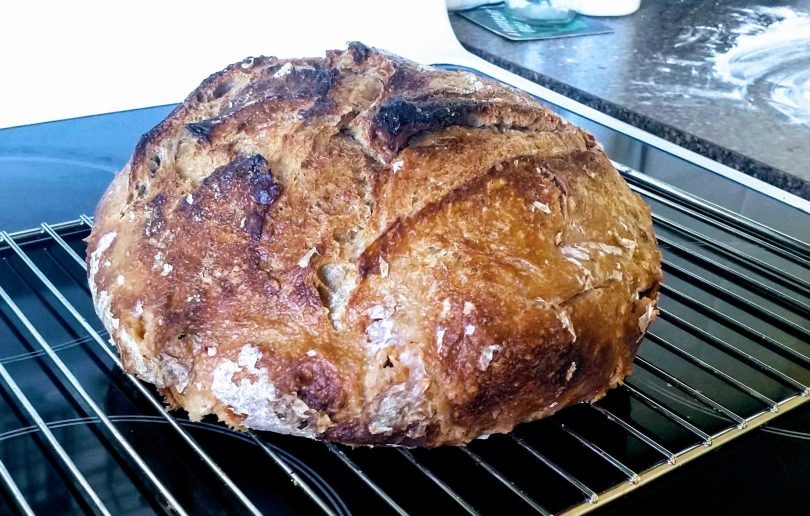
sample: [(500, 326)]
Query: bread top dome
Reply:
[(362, 249)]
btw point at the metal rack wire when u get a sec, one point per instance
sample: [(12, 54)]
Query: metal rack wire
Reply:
[(729, 353)]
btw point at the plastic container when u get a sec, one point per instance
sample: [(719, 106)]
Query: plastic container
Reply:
[(541, 12)]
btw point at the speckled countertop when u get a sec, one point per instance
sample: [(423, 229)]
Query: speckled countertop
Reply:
[(727, 79)]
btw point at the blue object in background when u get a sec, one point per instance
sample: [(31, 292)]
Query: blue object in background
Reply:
[(56, 171)]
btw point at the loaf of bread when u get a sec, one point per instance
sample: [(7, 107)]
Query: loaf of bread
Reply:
[(361, 249)]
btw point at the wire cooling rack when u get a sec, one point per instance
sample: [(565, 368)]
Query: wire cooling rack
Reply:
[(729, 352)]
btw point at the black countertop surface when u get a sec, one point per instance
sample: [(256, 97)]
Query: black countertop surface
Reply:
[(664, 69)]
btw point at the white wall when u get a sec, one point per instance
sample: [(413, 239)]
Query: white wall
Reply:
[(61, 59)]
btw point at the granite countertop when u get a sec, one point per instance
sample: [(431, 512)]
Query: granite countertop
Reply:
[(727, 79)]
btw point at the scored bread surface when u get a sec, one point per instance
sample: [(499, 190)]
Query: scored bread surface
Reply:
[(361, 249)]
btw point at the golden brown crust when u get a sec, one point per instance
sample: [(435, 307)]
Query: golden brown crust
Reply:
[(361, 249)]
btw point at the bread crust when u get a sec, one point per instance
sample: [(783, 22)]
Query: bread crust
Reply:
[(361, 249)]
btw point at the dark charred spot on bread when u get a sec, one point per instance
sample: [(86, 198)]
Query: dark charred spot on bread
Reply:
[(323, 103), (359, 51), (154, 165), (141, 148), (152, 139), (398, 119), (264, 189), (317, 383), (287, 81), (236, 195), (222, 89), (202, 129), (250, 172), (318, 82), (321, 80), (406, 78)]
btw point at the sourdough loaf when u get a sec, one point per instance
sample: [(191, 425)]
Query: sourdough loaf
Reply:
[(361, 249)]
